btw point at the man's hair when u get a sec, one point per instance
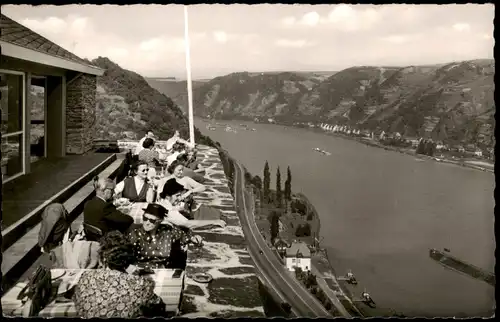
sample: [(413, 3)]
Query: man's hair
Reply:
[(100, 184), (149, 142), (173, 165), (115, 251), (183, 158)]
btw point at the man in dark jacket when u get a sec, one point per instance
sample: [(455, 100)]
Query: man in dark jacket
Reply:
[(101, 213)]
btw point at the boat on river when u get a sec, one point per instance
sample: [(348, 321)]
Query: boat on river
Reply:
[(460, 266), (321, 151)]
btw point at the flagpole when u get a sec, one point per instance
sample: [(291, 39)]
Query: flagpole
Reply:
[(188, 70)]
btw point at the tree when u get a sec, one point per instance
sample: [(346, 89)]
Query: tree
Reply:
[(257, 181), (267, 182), (288, 184), (278, 188), (274, 221), (287, 308)]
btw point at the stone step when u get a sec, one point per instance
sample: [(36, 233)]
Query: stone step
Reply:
[(18, 258)]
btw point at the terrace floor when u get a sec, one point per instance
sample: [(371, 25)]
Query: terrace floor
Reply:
[(47, 178)]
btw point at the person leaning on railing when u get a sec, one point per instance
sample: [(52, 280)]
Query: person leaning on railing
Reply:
[(138, 187), (112, 291)]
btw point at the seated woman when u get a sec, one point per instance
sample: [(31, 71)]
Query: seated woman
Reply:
[(169, 199), (176, 171), (177, 150), (112, 292), (197, 176), (136, 188), (154, 243), (54, 227), (150, 156), (59, 245), (192, 162)]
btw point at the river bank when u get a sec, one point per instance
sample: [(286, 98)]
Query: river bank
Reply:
[(480, 165)]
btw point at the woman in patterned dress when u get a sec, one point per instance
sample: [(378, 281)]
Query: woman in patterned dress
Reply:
[(157, 245), (113, 292)]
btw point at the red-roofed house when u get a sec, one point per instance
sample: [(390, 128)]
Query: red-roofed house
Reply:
[(66, 98), (298, 255)]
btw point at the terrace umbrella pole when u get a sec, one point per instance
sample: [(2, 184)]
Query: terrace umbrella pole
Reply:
[(188, 70)]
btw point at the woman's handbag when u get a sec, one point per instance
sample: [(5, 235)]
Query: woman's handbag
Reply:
[(38, 291)]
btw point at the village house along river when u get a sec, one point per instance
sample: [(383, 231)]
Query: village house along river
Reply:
[(380, 213)]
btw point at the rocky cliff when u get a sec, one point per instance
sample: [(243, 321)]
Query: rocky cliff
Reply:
[(451, 102)]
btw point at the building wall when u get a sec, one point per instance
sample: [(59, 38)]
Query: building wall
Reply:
[(80, 113), (303, 263)]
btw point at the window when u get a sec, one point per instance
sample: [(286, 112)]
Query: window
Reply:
[(36, 108), (12, 124), (293, 260)]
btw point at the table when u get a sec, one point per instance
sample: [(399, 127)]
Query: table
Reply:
[(166, 287), (135, 210)]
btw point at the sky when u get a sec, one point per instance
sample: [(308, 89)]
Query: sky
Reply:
[(149, 39)]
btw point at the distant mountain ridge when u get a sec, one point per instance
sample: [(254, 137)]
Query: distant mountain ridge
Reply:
[(451, 102)]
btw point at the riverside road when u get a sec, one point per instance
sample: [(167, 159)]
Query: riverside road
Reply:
[(302, 302)]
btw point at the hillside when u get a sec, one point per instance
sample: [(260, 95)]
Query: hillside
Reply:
[(451, 102), (176, 90), (127, 107)]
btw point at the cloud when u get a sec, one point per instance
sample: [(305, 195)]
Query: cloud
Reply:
[(310, 19), (345, 18), (220, 36), (461, 27), (401, 38), (151, 44), (299, 43), (288, 21)]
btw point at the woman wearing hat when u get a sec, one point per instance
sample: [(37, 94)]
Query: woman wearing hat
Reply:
[(169, 198), (176, 170), (154, 243)]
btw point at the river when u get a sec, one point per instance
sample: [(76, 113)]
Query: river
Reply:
[(380, 213)]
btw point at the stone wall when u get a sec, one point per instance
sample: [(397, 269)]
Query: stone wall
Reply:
[(80, 114)]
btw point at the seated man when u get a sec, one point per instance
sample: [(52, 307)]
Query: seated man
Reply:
[(101, 213), (154, 243), (136, 188)]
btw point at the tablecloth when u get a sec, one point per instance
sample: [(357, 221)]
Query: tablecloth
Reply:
[(166, 287)]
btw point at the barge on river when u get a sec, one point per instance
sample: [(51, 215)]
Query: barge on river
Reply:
[(458, 265)]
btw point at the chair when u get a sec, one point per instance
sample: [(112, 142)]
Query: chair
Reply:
[(92, 232)]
